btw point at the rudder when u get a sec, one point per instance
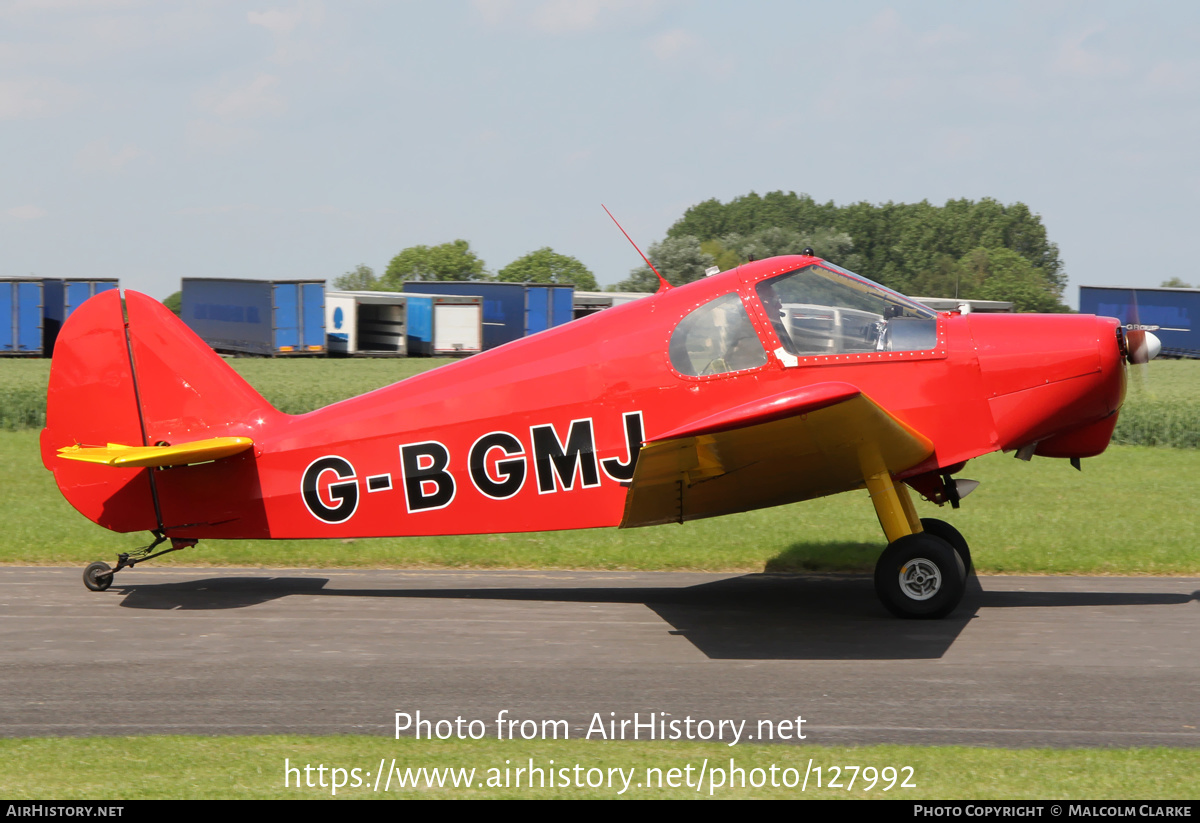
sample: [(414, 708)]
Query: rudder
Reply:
[(130, 372)]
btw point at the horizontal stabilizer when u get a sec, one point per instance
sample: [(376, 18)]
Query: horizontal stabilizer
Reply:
[(183, 454)]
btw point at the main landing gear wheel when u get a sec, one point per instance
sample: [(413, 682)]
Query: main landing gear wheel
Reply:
[(98, 576), (942, 529), (920, 576)]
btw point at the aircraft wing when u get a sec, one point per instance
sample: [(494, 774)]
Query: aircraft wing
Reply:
[(797, 445)]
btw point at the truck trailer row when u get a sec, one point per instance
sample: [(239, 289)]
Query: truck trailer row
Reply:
[(33, 309)]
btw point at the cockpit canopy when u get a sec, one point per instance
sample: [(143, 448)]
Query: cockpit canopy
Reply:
[(717, 338), (818, 309)]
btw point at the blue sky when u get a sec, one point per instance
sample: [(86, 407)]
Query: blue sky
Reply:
[(157, 140)]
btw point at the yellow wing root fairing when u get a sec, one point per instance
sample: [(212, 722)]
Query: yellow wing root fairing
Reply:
[(181, 454), (809, 453)]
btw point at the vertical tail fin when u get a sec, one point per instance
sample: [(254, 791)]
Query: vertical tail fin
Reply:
[(127, 371)]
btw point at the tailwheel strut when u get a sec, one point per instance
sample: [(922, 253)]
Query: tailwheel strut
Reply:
[(98, 576)]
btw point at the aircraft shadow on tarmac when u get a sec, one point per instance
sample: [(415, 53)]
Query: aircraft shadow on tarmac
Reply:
[(750, 617)]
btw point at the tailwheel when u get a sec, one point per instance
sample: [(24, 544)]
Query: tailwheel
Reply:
[(920, 576), (98, 576), (942, 529)]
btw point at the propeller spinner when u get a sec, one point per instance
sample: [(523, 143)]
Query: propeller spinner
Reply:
[(1141, 346)]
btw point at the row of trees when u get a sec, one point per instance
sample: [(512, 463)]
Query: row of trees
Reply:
[(456, 261), (968, 249)]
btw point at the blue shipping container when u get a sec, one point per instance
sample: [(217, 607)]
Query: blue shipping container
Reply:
[(312, 307), (510, 310), (419, 329), (61, 297), (1170, 313), (267, 317), (21, 316)]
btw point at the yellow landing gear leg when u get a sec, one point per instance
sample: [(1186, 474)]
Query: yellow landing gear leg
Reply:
[(894, 506)]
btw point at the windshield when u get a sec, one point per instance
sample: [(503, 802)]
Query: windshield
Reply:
[(822, 309), (918, 309)]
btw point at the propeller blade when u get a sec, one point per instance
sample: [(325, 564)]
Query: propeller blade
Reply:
[(1140, 346)]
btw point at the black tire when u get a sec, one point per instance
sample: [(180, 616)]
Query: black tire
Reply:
[(920, 576), (942, 529), (98, 576)]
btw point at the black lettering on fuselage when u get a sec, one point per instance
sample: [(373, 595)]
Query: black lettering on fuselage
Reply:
[(427, 484), (510, 470), (557, 463), (343, 494), (634, 435)]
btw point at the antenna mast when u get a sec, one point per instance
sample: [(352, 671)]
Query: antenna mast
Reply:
[(664, 285)]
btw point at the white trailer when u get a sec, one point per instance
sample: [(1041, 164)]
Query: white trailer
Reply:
[(384, 323)]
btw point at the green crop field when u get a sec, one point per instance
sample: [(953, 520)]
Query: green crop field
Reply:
[(1162, 407), (292, 386)]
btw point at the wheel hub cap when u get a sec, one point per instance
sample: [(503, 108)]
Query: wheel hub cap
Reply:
[(920, 579)]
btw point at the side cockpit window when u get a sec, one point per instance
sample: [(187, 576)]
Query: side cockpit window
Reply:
[(821, 310), (716, 338)]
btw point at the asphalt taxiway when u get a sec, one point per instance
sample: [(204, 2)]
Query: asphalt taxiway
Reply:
[(1025, 661)]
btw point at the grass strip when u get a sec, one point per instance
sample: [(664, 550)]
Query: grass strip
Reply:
[(254, 767), (1124, 514)]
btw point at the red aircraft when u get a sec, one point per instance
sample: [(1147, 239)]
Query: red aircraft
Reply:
[(780, 380)]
